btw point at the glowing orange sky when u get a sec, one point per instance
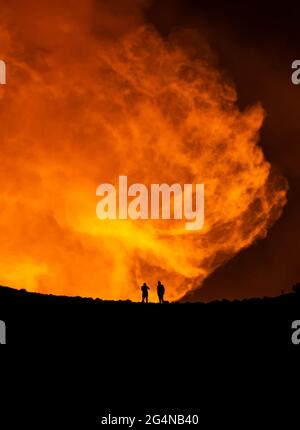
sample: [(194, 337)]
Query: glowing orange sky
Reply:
[(90, 97)]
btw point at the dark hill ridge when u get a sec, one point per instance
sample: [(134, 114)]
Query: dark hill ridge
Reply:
[(11, 296), (252, 323)]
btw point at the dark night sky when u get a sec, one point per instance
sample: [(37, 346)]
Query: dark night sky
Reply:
[(255, 44)]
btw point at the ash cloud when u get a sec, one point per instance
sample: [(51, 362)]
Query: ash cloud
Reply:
[(96, 92)]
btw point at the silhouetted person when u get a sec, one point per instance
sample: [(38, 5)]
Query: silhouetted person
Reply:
[(160, 292), (145, 289)]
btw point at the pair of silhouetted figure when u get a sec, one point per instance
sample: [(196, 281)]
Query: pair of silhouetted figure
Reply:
[(160, 292)]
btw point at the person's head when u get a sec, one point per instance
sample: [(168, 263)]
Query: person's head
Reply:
[(144, 284), (159, 283)]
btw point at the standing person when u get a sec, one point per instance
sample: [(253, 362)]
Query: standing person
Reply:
[(145, 289), (160, 292)]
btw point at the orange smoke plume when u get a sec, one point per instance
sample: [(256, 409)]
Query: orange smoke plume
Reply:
[(90, 97)]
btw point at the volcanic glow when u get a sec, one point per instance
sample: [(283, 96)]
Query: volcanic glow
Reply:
[(88, 100)]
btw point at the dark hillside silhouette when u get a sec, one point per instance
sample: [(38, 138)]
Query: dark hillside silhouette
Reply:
[(252, 323)]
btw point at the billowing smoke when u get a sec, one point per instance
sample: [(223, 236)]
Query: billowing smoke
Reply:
[(93, 93)]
